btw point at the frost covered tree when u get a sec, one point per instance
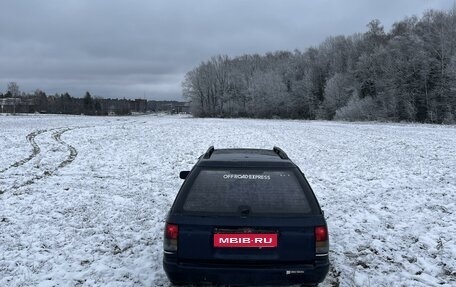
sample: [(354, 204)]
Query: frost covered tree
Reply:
[(357, 109), (405, 74), (207, 87), (268, 95), (338, 90)]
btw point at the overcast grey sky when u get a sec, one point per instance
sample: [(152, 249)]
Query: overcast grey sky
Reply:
[(143, 48)]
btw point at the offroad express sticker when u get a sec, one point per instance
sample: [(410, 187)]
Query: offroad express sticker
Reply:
[(247, 176)]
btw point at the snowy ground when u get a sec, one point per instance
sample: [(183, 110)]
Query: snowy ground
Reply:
[(83, 199)]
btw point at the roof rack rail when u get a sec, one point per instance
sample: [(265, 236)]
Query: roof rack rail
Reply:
[(209, 152), (280, 152)]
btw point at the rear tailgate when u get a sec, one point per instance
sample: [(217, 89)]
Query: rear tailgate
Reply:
[(295, 239)]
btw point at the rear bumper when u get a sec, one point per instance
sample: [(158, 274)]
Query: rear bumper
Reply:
[(197, 273)]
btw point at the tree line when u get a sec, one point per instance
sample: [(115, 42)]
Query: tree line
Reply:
[(15, 101), (406, 74)]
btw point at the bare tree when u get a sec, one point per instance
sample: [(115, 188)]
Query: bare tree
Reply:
[(13, 89)]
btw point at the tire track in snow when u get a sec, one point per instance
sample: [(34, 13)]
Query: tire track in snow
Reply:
[(333, 276), (36, 150), (73, 152)]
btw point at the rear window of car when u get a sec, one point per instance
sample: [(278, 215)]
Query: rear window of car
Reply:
[(253, 191)]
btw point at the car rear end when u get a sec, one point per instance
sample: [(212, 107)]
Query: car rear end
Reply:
[(249, 226)]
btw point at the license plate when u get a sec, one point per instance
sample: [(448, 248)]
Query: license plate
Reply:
[(242, 240)]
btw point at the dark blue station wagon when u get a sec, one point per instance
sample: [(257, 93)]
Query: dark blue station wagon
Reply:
[(245, 217)]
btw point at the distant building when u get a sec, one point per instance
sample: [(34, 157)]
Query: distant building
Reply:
[(111, 110), (138, 106), (182, 108), (17, 105), (165, 106)]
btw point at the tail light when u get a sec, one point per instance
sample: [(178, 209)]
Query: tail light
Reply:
[(321, 241), (171, 236)]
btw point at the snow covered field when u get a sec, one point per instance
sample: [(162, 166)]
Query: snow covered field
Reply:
[(83, 199)]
